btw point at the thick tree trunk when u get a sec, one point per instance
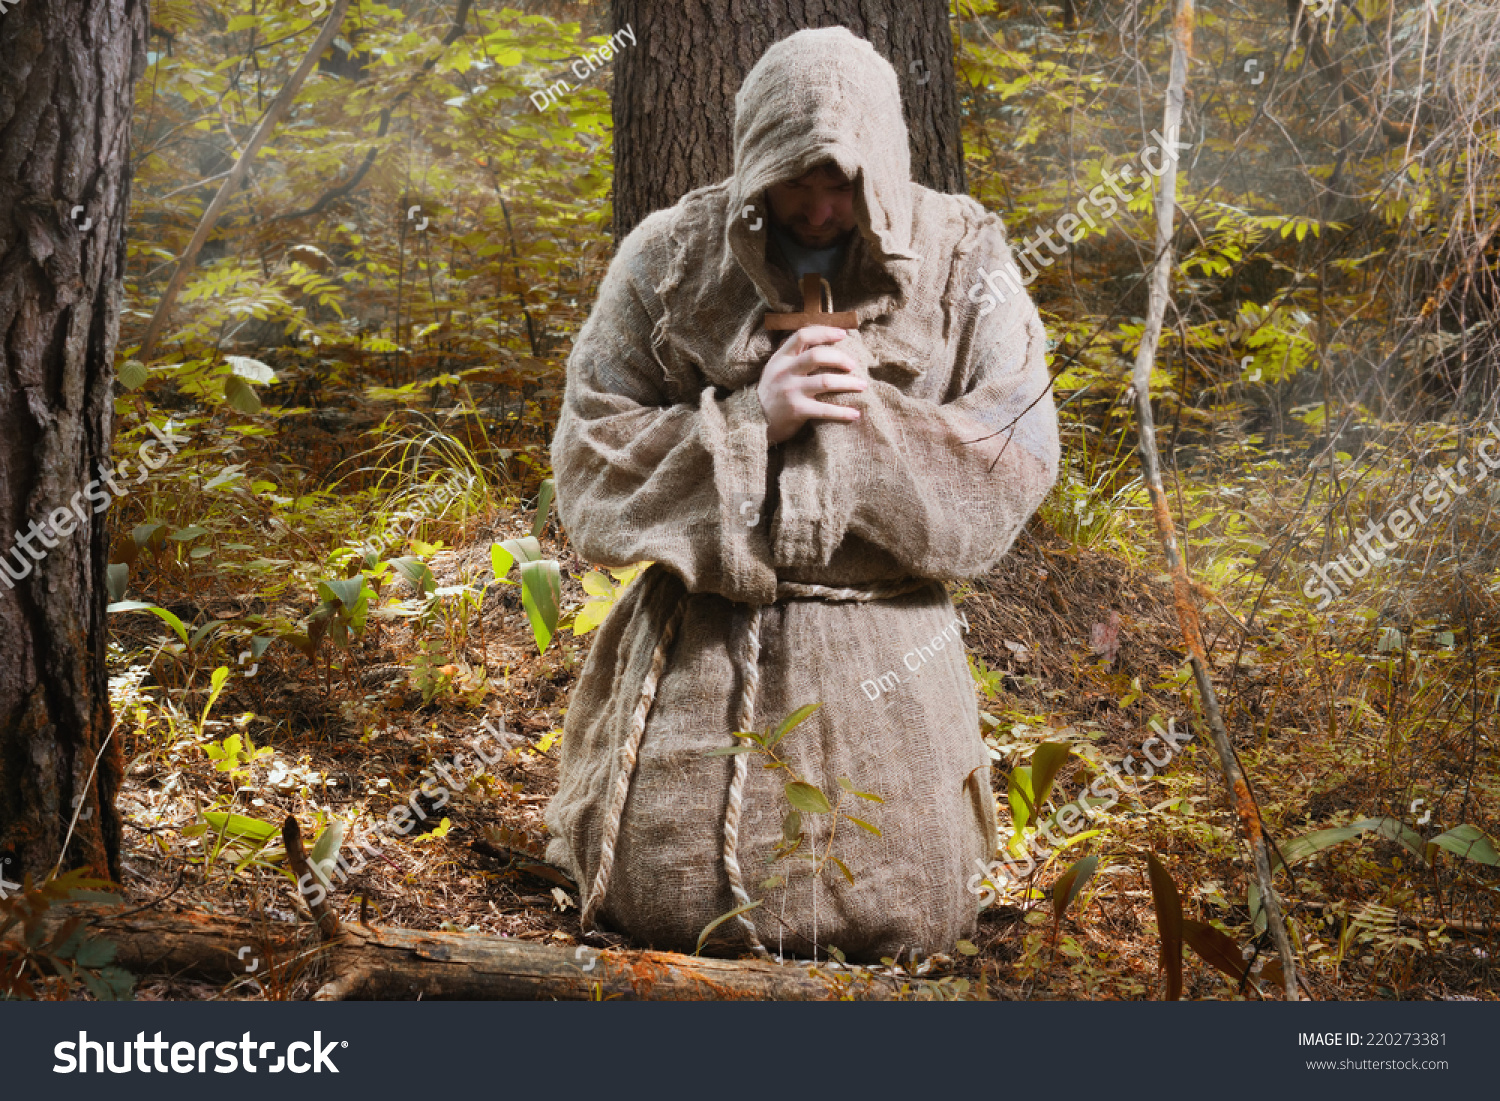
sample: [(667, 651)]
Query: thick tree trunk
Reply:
[(674, 90), (67, 74), (365, 963)]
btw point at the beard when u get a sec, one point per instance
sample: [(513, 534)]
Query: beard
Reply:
[(822, 237)]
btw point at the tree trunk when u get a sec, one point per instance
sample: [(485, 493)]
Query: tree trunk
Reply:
[(365, 962), (673, 98), (67, 74)]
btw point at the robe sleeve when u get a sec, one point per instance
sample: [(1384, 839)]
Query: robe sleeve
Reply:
[(943, 487), (640, 477)]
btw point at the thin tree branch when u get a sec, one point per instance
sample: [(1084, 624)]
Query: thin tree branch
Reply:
[(1241, 798), (268, 122), (460, 18)]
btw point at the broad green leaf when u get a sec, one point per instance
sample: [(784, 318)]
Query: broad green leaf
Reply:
[(1045, 763), (94, 953), (602, 596), (1470, 843), (541, 596), (501, 560), (792, 721), (588, 617), (806, 798), (1066, 889), (111, 984), (791, 826), (1300, 848), (524, 549), (417, 572), (68, 938), (161, 613), (238, 825), (1018, 792), (597, 584), (149, 535), (625, 575), (325, 852), (543, 507), (1077, 838), (1257, 911), (240, 396), (203, 632), (132, 374), (343, 590), (1392, 829), (862, 824), (843, 868)]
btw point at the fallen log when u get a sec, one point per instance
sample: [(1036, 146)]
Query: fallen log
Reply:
[(365, 962)]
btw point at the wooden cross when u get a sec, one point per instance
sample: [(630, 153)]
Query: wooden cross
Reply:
[(812, 310)]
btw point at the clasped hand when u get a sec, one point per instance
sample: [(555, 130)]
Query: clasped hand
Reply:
[(803, 369)]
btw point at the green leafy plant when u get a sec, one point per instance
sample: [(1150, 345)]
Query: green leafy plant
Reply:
[(1213, 945), (248, 842), (341, 615), (244, 840), (601, 595), (802, 798), (235, 754), (40, 965), (1465, 841), (541, 583), (432, 674), (1067, 887)]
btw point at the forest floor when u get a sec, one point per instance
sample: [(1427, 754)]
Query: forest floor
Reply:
[(1069, 644)]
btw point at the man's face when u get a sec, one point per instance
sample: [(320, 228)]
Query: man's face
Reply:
[(817, 209)]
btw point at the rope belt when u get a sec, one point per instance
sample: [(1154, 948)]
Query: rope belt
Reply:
[(749, 686)]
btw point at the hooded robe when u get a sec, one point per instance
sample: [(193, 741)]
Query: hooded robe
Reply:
[(802, 573)]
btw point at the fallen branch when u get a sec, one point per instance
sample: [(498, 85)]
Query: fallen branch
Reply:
[(383, 963), (1241, 798)]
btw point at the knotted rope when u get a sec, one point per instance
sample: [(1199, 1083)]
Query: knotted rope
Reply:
[(628, 753), (749, 668)]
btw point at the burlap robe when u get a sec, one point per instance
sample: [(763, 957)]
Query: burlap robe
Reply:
[(660, 454)]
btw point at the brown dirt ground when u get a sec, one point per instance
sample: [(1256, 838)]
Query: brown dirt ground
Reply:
[(1046, 600)]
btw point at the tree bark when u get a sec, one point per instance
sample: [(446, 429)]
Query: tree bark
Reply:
[(673, 99), (67, 75), (365, 963)]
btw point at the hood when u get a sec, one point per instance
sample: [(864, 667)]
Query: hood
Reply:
[(822, 95)]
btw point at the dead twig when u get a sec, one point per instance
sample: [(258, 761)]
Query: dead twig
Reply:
[(328, 921), (1241, 798)]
